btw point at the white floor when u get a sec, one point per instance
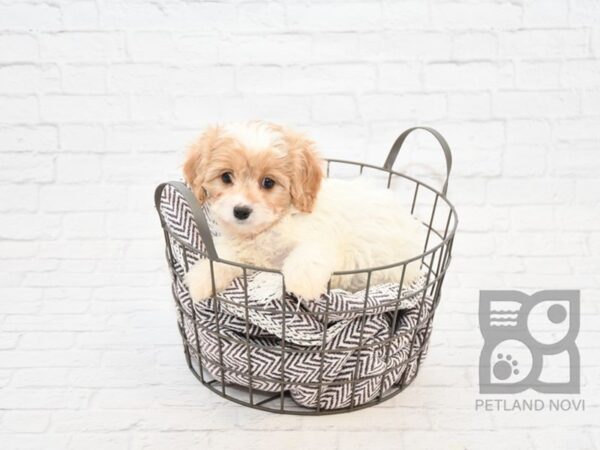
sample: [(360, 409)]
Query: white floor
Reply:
[(127, 387)]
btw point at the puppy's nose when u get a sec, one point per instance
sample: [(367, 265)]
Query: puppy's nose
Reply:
[(242, 212)]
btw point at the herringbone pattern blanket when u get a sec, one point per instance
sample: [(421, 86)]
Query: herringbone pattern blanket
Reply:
[(324, 352)]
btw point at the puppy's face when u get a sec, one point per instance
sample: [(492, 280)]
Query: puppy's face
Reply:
[(252, 173)]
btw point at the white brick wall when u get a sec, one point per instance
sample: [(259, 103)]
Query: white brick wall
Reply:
[(98, 100)]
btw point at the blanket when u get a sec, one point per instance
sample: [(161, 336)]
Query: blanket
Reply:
[(325, 353)]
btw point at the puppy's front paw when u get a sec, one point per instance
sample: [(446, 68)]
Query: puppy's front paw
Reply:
[(305, 279), (199, 281)]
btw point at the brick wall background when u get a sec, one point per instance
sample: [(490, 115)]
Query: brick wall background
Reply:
[(98, 100)]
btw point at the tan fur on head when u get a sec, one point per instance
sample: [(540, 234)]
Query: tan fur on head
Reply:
[(249, 153), (307, 171), (197, 156)]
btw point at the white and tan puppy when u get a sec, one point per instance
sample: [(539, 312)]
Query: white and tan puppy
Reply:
[(265, 188)]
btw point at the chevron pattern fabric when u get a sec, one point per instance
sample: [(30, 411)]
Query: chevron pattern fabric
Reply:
[(344, 349)]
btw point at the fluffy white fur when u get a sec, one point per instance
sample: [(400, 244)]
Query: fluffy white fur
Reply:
[(353, 226), (306, 226)]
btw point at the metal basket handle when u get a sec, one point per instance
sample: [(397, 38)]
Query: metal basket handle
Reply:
[(197, 213), (393, 154)]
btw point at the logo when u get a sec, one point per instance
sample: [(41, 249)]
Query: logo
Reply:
[(529, 342)]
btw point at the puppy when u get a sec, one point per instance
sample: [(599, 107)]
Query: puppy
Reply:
[(265, 188)]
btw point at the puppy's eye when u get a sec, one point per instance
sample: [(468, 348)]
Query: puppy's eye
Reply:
[(227, 178), (267, 183)]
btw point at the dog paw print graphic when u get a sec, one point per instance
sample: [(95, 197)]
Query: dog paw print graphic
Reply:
[(523, 335), (511, 361), (505, 367)]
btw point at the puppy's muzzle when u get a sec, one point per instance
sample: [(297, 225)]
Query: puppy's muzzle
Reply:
[(242, 212)]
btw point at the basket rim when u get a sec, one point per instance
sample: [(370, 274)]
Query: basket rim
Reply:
[(451, 232)]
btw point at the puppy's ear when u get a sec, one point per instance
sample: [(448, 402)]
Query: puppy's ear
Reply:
[(194, 167), (307, 172)]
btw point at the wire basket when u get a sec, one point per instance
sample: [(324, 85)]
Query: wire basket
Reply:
[(259, 346)]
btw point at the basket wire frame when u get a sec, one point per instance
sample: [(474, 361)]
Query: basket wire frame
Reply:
[(435, 261)]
